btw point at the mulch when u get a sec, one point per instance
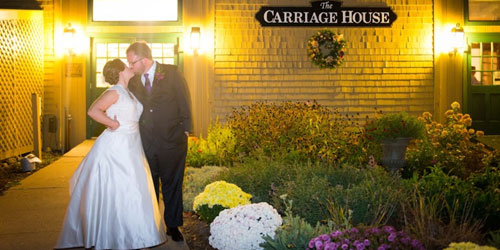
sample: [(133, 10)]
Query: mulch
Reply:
[(196, 232)]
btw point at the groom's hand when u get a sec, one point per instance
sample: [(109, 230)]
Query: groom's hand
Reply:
[(187, 133), (114, 124)]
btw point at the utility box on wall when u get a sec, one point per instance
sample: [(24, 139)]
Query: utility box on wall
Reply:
[(21, 75)]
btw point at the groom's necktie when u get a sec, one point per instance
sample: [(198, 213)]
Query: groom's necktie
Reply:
[(147, 83)]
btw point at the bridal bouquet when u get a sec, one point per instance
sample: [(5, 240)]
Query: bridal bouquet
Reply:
[(244, 227), (218, 196)]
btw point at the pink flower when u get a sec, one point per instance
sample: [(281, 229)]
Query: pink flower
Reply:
[(159, 76)]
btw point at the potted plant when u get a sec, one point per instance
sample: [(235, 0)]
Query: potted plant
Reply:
[(394, 132)]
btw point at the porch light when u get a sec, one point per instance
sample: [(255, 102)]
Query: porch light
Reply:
[(458, 36), (69, 38), (195, 38)]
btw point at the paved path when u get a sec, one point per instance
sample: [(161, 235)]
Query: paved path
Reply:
[(32, 213)]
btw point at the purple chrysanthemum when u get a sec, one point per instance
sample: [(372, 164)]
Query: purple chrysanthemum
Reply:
[(391, 237), (319, 245), (366, 242)]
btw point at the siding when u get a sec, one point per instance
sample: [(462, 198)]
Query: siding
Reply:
[(388, 68)]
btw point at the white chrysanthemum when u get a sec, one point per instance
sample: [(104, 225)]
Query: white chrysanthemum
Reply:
[(244, 226)]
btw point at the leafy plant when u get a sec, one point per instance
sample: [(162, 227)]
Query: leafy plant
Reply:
[(296, 132), (436, 222), (453, 145), (392, 126), (294, 233), (216, 149), (195, 180), (494, 238)]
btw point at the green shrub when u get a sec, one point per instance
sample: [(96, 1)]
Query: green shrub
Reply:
[(434, 220), (195, 181), (207, 213), (310, 191), (259, 177), (452, 145), (216, 149), (372, 194), (296, 132), (494, 238), (480, 190), (294, 233)]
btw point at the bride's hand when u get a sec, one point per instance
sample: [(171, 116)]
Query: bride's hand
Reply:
[(115, 124)]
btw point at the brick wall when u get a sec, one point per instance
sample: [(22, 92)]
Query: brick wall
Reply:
[(388, 68)]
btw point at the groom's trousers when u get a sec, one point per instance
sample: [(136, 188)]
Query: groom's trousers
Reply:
[(167, 165)]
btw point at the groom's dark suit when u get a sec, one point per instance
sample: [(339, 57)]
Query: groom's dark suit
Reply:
[(163, 123)]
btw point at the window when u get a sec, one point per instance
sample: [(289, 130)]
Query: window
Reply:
[(135, 11), (485, 63), (162, 53)]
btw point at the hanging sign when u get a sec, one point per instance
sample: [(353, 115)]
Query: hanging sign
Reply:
[(326, 13)]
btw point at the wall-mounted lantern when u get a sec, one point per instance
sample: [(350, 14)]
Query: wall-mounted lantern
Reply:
[(458, 35), (195, 39), (69, 39)]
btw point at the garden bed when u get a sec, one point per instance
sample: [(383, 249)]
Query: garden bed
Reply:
[(11, 173)]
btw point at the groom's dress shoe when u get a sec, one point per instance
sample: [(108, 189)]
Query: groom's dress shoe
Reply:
[(175, 233)]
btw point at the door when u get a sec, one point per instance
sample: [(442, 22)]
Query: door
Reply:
[(108, 48), (483, 82)]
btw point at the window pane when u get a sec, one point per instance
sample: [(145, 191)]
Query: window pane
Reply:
[(486, 65), (168, 49), (168, 60), (156, 50), (496, 49), (496, 78), (486, 78), (100, 83), (100, 64), (475, 77), (475, 49), (123, 49), (112, 50), (133, 10), (484, 10), (101, 49)]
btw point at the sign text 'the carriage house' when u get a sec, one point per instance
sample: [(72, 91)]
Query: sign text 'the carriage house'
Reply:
[(326, 13)]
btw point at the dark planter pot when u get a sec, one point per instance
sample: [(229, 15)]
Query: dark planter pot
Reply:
[(393, 153)]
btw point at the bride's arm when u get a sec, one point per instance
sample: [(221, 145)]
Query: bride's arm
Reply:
[(98, 108)]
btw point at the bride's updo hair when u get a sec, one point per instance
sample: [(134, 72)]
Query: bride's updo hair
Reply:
[(112, 69)]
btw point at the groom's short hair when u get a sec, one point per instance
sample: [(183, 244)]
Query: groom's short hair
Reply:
[(141, 49)]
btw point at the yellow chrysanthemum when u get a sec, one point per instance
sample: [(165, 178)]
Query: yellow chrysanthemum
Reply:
[(479, 133), (221, 193), (448, 112), (455, 105)]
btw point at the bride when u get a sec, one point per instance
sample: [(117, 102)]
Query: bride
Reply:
[(113, 203)]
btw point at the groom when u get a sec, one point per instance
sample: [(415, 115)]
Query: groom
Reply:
[(165, 124)]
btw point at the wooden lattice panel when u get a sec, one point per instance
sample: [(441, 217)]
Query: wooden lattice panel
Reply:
[(21, 75)]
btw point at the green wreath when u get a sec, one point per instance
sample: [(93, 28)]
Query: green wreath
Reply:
[(326, 49)]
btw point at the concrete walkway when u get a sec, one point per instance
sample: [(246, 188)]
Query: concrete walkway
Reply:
[(32, 213)]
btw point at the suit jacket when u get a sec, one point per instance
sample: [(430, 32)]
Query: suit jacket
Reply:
[(167, 110)]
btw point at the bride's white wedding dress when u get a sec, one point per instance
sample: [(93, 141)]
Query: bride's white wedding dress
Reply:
[(113, 203)]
